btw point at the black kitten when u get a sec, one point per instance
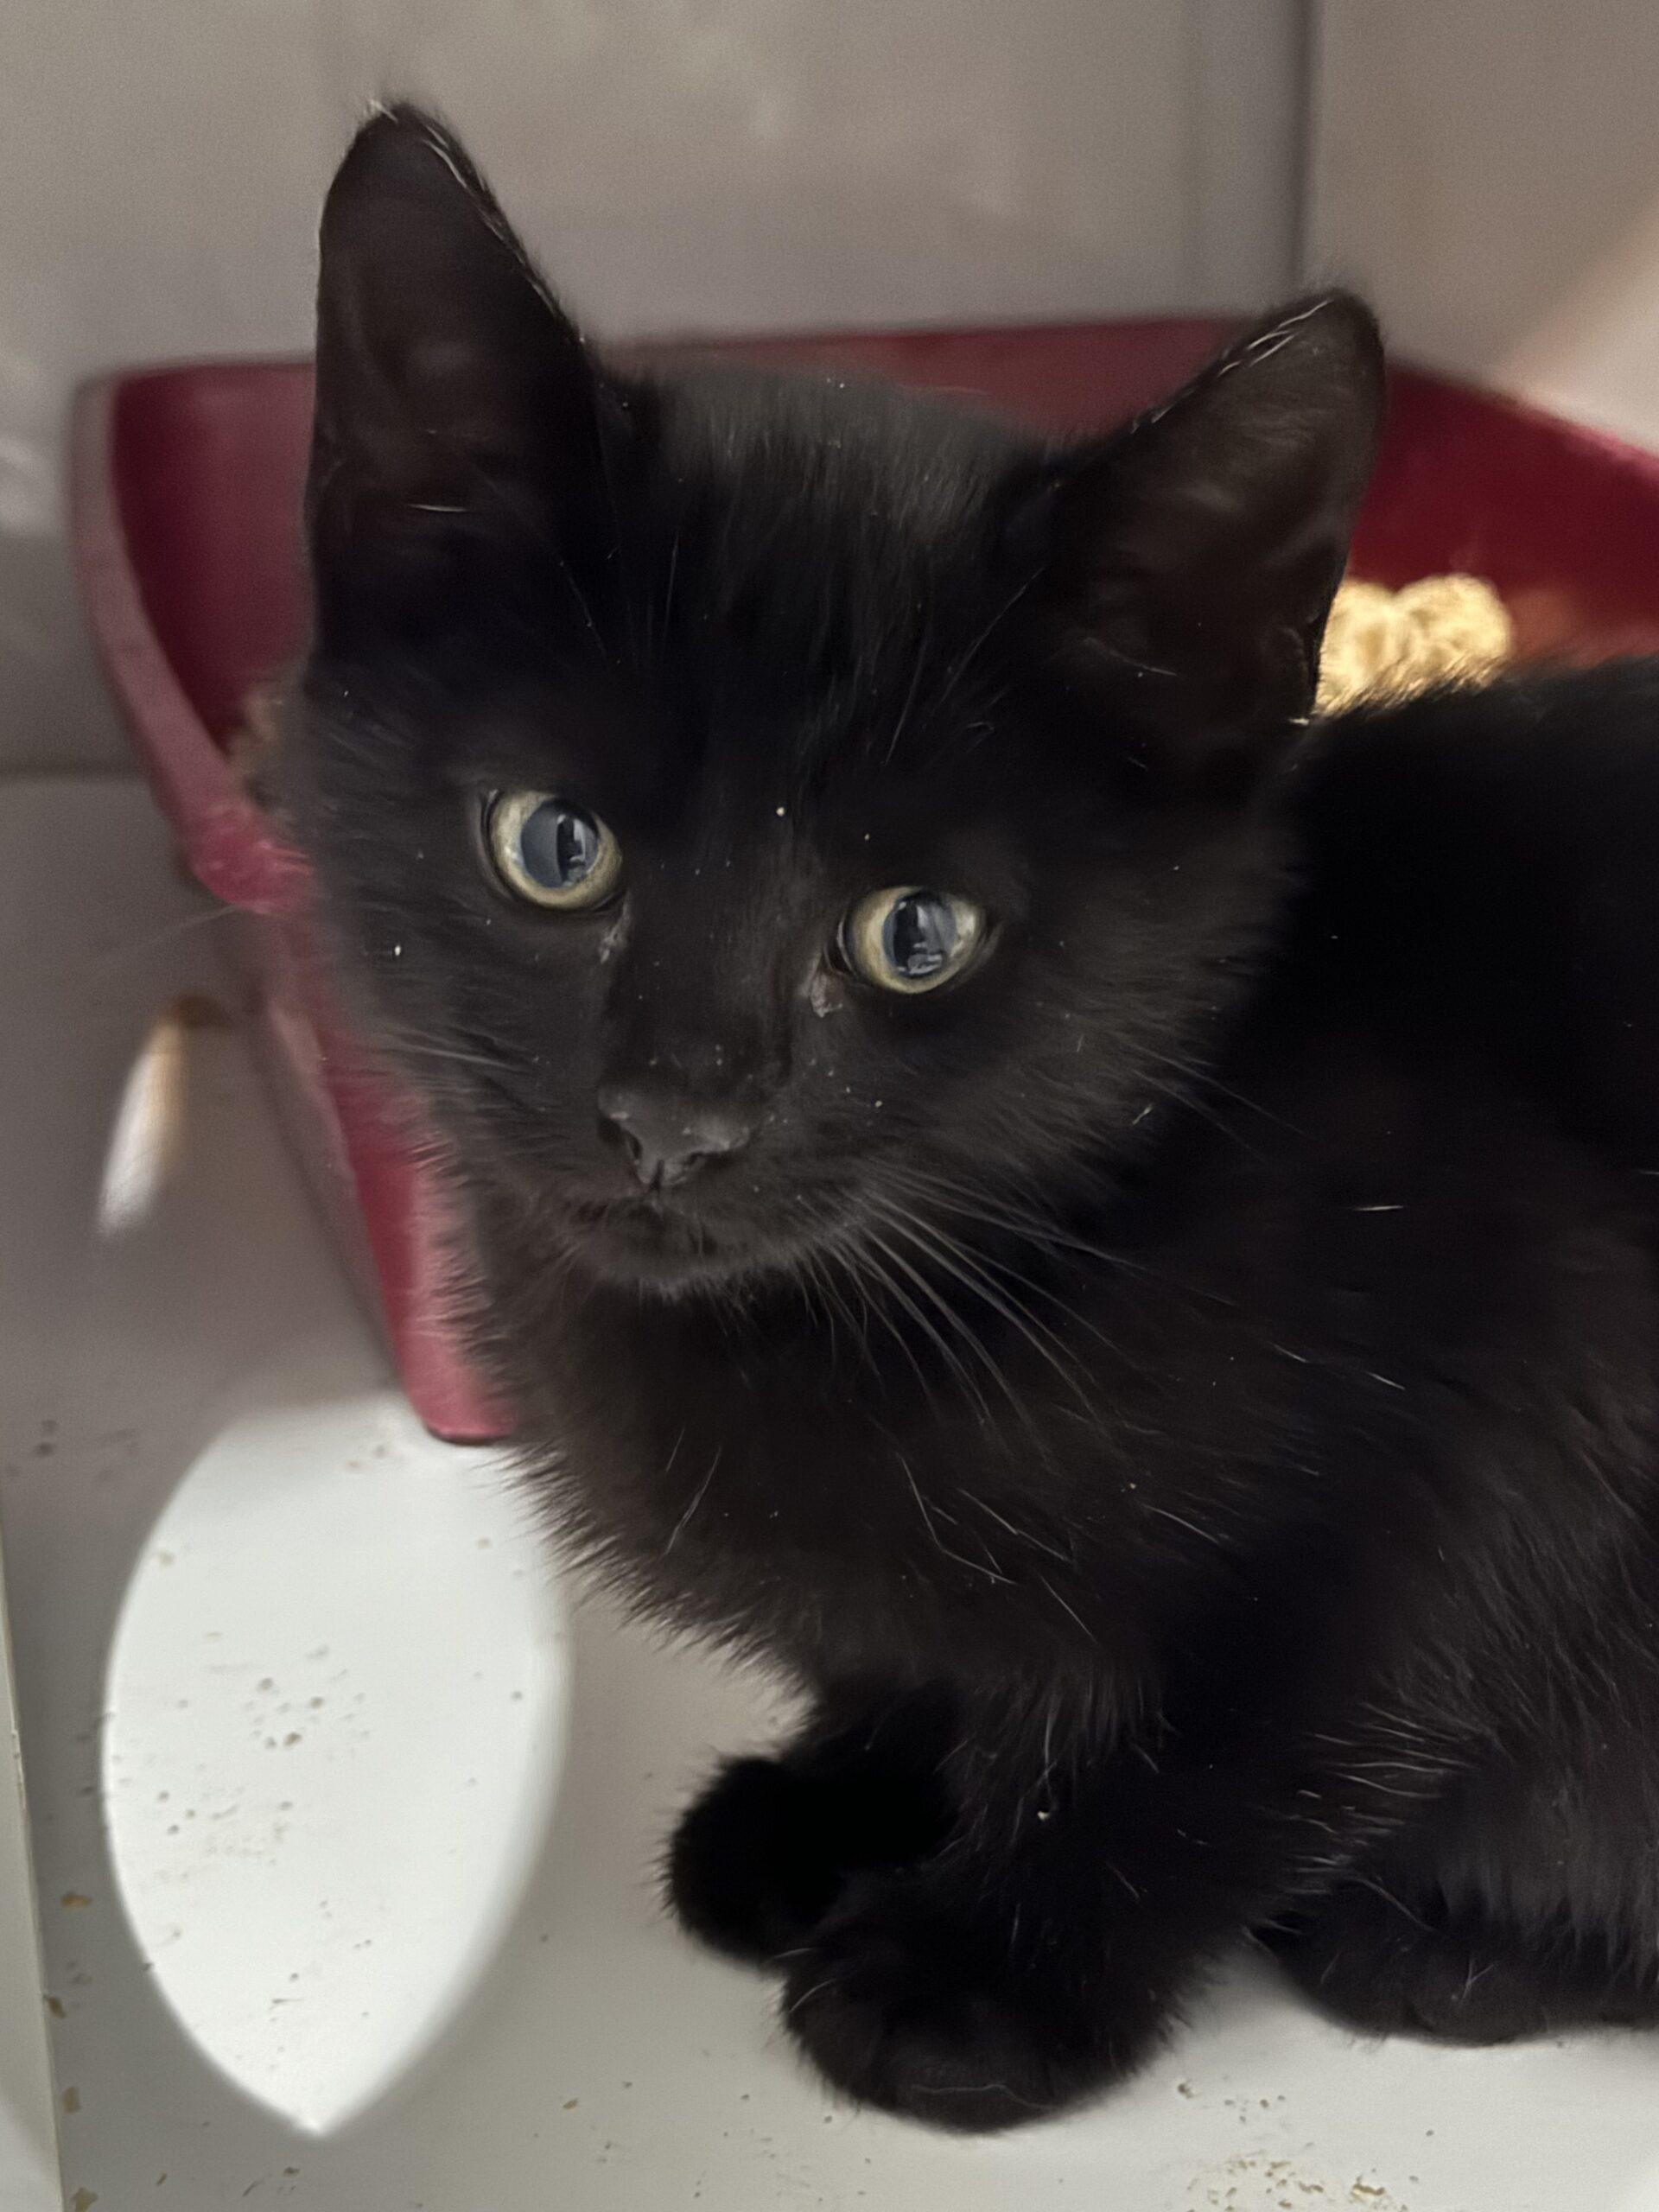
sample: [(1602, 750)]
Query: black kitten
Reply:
[(1099, 1232)]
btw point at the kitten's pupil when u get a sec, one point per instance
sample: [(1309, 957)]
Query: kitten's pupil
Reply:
[(558, 845), (920, 935)]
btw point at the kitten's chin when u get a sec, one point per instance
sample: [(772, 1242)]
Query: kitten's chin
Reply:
[(643, 1245)]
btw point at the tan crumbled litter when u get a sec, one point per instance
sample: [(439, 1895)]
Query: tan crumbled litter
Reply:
[(1390, 644)]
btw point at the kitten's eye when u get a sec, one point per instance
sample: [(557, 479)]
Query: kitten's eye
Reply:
[(550, 852), (909, 939)]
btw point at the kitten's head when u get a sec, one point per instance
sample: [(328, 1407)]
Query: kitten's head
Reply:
[(766, 815)]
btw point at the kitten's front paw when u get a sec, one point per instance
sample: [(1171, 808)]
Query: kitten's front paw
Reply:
[(752, 1868), (766, 1852), (942, 2019)]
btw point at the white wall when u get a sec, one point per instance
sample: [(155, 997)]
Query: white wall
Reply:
[(712, 164), (1488, 170)]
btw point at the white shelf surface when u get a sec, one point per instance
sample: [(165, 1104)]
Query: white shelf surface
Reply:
[(346, 1813)]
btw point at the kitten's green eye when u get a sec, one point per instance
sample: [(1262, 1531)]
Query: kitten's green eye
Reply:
[(550, 852), (911, 940)]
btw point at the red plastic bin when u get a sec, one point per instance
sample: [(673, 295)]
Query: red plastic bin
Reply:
[(186, 485)]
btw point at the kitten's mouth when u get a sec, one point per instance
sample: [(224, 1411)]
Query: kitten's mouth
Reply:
[(645, 1240), (656, 1242)]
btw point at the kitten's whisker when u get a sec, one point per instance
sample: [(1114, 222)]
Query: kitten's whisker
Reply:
[(957, 1320), (972, 1566), (1036, 1229), (119, 955), (860, 1262), (858, 1316), (1195, 1073), (698, 1495), (1068, 1608), (991, 1271), (955, 675), (973, 1278), (946, 1351), (423, 1048), (915, 685), (673, 578)]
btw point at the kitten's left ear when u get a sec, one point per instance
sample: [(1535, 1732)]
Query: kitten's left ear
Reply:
[(1197, 550)]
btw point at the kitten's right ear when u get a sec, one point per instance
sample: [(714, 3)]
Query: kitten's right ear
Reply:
[(455, 400)]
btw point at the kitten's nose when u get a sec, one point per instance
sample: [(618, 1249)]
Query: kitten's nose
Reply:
[(668, 1134)]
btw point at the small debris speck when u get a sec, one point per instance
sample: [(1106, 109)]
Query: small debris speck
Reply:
[(54, 2007), (83, 2200), (570, 2103), (72, 1901), (72, 2100)]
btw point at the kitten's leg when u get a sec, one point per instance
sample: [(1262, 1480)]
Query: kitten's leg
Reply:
[(1045, 1950), (1388, 1965), (766, 1852), (994, 1982)]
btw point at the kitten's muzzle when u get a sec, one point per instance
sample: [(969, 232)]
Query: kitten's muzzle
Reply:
[(668, 1134)]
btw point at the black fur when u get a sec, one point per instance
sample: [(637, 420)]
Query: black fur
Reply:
[(1181, 1398)]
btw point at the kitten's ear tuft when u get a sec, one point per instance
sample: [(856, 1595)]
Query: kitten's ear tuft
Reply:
[(1199, 548), (448, 377)]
